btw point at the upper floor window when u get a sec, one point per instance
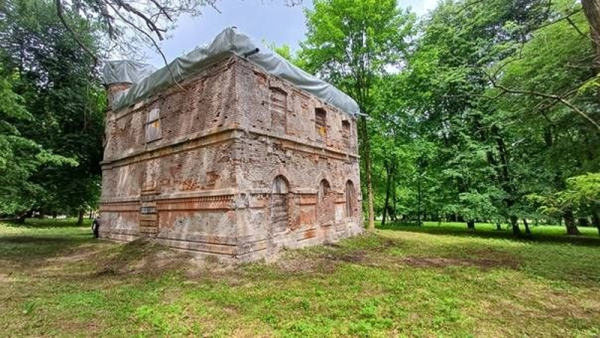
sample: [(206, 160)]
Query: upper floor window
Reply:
[(321, 124), (346, 132), (278, 109), (153, 131)]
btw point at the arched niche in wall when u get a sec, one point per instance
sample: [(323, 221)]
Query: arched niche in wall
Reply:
[(351, 199), (325, 203), (279, 210)]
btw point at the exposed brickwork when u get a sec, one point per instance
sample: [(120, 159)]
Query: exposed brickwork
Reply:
[(235, 163)]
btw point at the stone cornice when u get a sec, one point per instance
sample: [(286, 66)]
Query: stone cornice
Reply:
[(221, 135)]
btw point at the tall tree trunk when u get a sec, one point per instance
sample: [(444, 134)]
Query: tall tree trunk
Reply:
[(498, 226), (22, 217), (471, 224), (367, 161), (80, 217), (419, 199), (389, 170), (527, 230), (570, 223), (514, 222), (506, 180), (596, 220), (393, 216), (591, 9)]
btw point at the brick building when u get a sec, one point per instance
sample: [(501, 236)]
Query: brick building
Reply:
[(232, 160)]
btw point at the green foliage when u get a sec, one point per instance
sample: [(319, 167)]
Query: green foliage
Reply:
[(20, 157), (448, 141), (351, 42), (286, 52), (582, 192), (583, 189), (54, 116)]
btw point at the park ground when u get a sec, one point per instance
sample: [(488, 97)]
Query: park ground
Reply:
[(55, 280)]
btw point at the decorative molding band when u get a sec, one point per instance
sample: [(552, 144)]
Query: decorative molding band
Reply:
[(218, 249), (187, 143), (120, 200), (308, 199), (197, 194), (220, 135), (126, 206), (306, 146), (223, 202)]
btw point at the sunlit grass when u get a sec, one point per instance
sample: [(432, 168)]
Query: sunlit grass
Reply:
[(59, 281)]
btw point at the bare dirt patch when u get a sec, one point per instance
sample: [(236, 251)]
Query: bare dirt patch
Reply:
[(142, 257)]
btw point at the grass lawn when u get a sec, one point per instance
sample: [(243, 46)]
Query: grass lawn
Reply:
[(55, 280)]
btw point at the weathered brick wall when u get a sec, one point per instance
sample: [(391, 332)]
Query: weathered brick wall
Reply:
[(201, 107), (194, 166), (182, 168), (302, 150)]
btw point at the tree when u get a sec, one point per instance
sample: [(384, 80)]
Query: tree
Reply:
[(591, 8), (124, 23), (350, 43), (560, 142), (64, 101), (127, 24), (20, 157), (582, 193)]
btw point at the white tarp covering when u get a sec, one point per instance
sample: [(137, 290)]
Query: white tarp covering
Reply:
[(125, 71), (227, 42)]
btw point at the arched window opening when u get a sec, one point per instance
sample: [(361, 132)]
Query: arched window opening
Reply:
[(324, 189), (325, 203), (279, 204), (350, 199)]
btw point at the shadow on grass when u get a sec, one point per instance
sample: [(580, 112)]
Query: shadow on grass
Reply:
[(31, 248), (37, 239), (48, 223), (500, 234)]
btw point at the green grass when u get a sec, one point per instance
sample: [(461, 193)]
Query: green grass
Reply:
[(544, 233), (405, 281)]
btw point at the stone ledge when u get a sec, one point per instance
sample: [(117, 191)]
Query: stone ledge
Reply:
[(217, 134)]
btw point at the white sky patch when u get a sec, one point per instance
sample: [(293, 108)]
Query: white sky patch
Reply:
[(269, 20)]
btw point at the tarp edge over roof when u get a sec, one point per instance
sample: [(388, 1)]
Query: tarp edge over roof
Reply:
[(227, 42), (125, 71)]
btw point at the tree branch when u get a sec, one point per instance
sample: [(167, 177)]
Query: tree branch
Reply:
[(60, 13), (578, 30), (161, 9), (558, 98), (153, 42), (151, 25)]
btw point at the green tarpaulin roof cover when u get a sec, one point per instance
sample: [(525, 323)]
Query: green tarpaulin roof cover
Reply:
[(147, 82)]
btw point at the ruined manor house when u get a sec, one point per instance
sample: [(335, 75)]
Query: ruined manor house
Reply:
[(230, 151)]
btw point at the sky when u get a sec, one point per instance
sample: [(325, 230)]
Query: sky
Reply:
[(269, 20)]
